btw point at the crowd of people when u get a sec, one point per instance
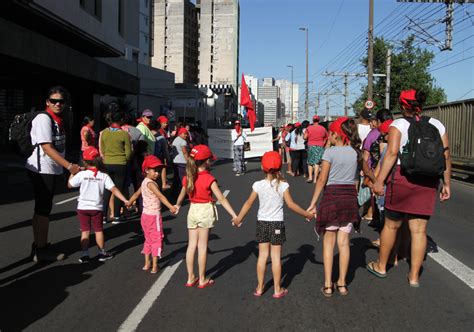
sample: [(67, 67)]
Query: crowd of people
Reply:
[(390, 169)]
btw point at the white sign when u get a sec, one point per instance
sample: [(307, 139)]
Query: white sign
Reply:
[(369, 104), (220, 142)]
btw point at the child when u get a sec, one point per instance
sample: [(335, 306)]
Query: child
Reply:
[(338, 209), (199, 184), (271, 192), (151, 221), (92, 183)]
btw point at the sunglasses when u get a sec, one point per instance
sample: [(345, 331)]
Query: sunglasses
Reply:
[(56, 101), (149, 117)]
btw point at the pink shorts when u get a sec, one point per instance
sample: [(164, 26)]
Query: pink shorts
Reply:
[(346, 229)]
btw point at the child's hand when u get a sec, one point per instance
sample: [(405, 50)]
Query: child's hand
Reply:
[(128, 205), (177, 209), (174, 210), (236, 222)]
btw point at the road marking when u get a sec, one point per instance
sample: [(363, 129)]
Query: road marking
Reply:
[(67, 200), (454, 266), (135, 318), (225, 193)]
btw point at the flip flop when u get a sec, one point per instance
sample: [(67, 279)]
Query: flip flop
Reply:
[(413, 284), (193, 283), (339, 290), (371, 269), (257, 293), (155, 271), (326, 294), (281, 294), (209, 283)]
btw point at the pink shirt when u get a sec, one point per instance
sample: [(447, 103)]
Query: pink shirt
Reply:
[(91, 141), (317, 135), (151, 203)]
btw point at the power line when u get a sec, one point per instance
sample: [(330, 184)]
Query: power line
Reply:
[(453, 63)]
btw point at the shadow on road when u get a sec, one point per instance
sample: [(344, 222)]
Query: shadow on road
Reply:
[(27, 223), (294, 263), (237, 256), (359, 247)]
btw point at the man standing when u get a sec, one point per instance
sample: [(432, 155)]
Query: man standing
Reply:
[(145, 120), (238, 140)]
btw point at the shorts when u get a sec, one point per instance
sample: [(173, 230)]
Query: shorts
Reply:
[(396, 216), (203, 215), (43, 187), (88, 218), (271, 231), (346, 229), (315, 154)]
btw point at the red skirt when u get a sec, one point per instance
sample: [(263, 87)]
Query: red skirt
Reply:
[(338, 207), (414, 194)]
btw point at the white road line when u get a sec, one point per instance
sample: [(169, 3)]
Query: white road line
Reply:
[(454, 266), (135, 318), (225, 193), (67, 200)]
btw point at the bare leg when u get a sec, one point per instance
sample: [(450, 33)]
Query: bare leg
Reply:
[(310, 172), (190, 252), (329, 241), (418, 247), (276, 267), (164, 183), (387, 240), (155, 266), (263, 253), (203, 236), (40, 230), (316, 173), (147, 262), (85, 241), (99, 240), (344, 257)]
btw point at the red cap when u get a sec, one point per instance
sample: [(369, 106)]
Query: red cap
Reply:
[(162, 119), (151, 161), (237, 122), (90, 153), (202, 152), (298, 124), (385, 126), (182, 130), (271, 162), (335, 127), (406, 97), (316, 118)]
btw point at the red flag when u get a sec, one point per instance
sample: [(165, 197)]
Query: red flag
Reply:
[(246, 101)]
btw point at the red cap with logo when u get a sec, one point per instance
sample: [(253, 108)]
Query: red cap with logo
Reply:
[(151, 161), (271, 162), (384, 127), (202, 152), (90, 153)]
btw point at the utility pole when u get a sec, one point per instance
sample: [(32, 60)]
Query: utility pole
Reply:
[(307, 91), (318, 103), (387, 82), (291, 107), (370, 57), (449, 24)]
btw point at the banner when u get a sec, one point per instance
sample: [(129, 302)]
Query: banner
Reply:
[(220, 142)]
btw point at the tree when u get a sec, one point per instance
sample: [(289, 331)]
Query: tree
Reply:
[(409, 70)]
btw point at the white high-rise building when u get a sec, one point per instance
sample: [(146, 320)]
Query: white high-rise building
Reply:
[(269, 97)]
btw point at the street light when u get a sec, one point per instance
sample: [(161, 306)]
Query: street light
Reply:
[(306, 97), (292, 108)]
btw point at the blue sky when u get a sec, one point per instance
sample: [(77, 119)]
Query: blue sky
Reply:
[(270, 40)]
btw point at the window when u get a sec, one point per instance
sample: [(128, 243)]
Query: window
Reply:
[(146, 3), (121, 18), (93, 7)]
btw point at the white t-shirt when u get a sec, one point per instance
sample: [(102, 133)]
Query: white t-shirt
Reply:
[(179, 143), (296, 144), (91, 193), (402, 126), (270, 199), (43, 132), (363, 131), (241, 139)]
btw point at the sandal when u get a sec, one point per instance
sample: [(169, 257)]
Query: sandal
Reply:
[(326, 294), (209, 283), (258, 293), (371, 268), (192, 283), (343, 293), (283, 293), (309, 181), (413, 284), (153, 271)]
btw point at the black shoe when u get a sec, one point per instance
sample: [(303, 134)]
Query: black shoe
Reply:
[(84, 259), (105, 256), (46, 254), (118, 220)]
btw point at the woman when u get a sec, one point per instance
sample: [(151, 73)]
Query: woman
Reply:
[(408, 198), (45, 165), (143, 126), (297, 147), (116, 148), (316, 135), (88, 135), (181, 154), (238, 140)]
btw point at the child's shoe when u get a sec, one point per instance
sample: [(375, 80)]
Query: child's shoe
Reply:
[(84, 259), (104, 256)]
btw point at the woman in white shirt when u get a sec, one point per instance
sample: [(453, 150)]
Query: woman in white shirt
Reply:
[(297, 148), (238, 140)]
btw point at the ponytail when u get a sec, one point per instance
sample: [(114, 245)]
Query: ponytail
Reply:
[(349, 127), (278, 177), (191, 173)]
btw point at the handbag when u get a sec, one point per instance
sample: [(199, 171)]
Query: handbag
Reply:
[(364, 195), (247, 146)]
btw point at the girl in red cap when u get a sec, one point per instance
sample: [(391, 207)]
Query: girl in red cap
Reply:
[(408, 198), (151, 220), (199, 184), (92, 182), (271, 192), (338, 209)]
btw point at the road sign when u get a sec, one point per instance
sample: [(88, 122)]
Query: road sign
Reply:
[(369, 104)]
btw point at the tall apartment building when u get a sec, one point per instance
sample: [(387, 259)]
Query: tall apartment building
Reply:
[(269, 97), (135, 22), (289, 102), (176, 39)]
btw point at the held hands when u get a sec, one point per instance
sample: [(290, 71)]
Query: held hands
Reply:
[(174, 209), (378, 189), (236, 221), (311, 213), (74, 168), (445, 193)]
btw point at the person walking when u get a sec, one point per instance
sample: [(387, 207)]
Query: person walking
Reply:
[(88, 135), (338, 210), (163, 122), (238, 140), (180, 154), (143, 126), (116, 149), (272, 191), (199, 185), (316, 136), (363, 128), (297, 145), (411, 197), (44, 166)]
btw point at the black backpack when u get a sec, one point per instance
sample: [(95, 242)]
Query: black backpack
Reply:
[(424, 152), (20, 132)]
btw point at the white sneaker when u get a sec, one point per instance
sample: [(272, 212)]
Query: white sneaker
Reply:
[(237, 174)]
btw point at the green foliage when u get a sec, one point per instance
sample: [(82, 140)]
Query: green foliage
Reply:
[(409, 71)]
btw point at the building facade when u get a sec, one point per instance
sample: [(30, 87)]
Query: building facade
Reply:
[(269, 97), (289, 101)]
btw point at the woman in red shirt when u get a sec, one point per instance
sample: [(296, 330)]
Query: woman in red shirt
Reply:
[(316, 135)]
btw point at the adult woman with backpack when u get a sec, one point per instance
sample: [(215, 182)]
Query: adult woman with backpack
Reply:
[(412, 180), (45, 165)]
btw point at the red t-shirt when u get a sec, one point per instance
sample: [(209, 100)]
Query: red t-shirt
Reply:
[(202, 188), (317, 135)]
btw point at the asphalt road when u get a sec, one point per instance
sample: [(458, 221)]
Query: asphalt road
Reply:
[(102, 296)]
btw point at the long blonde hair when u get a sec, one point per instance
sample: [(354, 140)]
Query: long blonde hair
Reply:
[(192, 172), (276, 176)]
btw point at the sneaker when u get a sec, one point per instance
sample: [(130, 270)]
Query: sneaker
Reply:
[(117, 220), (105, 256), (46, 254), (104, 220), (237, 174), (84, 259)]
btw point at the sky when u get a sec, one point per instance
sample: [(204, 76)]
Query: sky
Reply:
[(270, 40)]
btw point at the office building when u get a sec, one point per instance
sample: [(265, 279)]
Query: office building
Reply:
[(269, 97)]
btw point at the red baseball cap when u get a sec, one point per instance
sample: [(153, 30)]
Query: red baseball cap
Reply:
[(162, 119), (237, 122), (151, 161), (271, 162), (316, 118), (384, 127), (182, 130), (202, 152), (298, 124), (90, 153)]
